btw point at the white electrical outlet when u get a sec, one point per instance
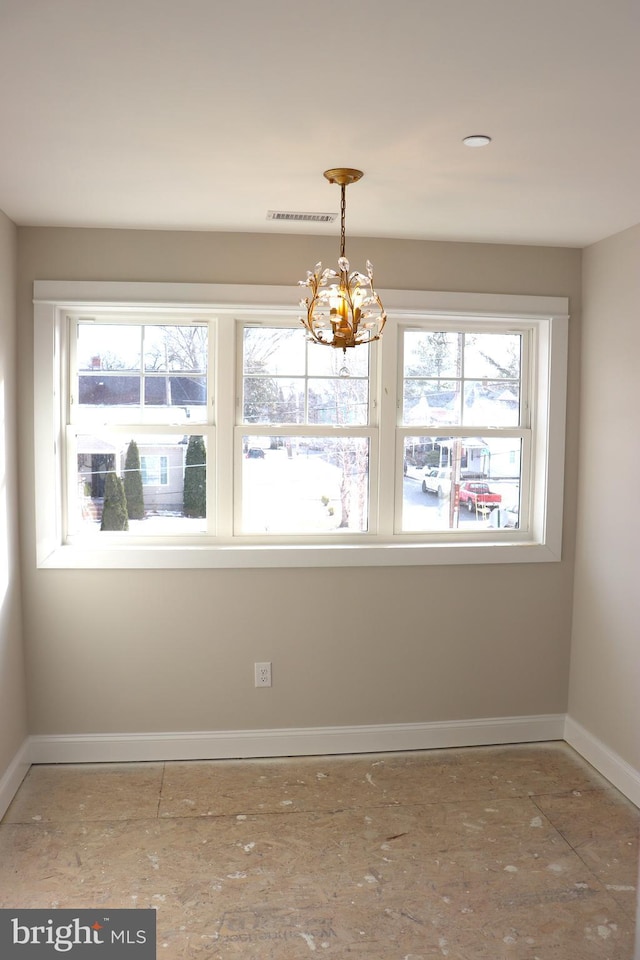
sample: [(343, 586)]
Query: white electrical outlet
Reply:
[(262, 674)]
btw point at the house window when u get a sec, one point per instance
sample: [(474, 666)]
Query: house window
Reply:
[(154, 470), (255, 447)]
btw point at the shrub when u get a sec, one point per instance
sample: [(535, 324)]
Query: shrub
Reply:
[(133, 483), (114, 511), (195, 479)]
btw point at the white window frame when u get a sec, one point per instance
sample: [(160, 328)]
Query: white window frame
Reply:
[(541, 542)]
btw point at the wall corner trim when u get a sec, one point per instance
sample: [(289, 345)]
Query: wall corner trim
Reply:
[(14, 775), (620, 773), (291, 742)]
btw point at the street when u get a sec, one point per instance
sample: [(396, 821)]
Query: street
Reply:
[(426, 511)]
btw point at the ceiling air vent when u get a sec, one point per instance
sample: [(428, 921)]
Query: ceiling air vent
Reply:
[(295, 217)]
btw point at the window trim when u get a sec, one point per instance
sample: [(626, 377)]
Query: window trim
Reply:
[(549, 372)]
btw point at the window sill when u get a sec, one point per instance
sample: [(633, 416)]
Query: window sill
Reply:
[(174, 557)]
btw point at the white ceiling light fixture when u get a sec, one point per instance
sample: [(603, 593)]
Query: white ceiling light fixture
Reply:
[(343, 309), (477, 140)]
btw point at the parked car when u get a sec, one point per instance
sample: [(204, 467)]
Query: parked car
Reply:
[(437, 480), (255, 453), (475, 494), (427, 479)]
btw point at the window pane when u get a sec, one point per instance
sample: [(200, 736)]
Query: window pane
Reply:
[(431, 402), (308, 485), (175, 348), (187, 392), (160, 492), (100, 389), (492, 356), (112, 346), (482, 474), (491, 403), (342, 401), (432, 353), (273, 351), (328, 362), (273, 400)]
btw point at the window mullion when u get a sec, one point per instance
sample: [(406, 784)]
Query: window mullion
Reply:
[(224, 411), (388, 389), (142, 373), (71, 399)]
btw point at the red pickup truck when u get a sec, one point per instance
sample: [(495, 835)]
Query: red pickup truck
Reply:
[(477, 494)]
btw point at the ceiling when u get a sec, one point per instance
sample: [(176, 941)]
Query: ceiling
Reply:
[(204, 115)]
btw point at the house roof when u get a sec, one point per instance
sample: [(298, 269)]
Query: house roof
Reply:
[(202, 115), (111, 389)]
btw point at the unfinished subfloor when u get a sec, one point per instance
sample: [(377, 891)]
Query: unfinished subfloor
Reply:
[(486, 852)]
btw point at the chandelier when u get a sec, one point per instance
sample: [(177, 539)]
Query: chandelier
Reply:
[(343, 308)]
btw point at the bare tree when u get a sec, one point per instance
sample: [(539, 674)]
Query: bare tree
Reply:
[(260, 344), (180, 348)]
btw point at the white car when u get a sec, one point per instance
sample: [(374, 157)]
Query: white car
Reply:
[(437, 480)]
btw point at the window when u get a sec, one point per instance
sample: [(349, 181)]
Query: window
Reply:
[(135, 381), (307, 410), (465, 388), (154, 471), (251, 446)]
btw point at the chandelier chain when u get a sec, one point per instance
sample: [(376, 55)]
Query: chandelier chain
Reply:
[(343, 211)]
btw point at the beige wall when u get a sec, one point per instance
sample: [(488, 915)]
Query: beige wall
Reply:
[(13, 700), (605, 663), (138, 651)]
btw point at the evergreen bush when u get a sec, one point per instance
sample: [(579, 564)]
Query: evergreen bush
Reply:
[(133, 483), (114, 511), (195, 479)]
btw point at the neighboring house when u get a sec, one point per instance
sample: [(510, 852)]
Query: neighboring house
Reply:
[(493, 404), (162, 459), (497, 458), (105, 388), (162, 467), (496, 405)]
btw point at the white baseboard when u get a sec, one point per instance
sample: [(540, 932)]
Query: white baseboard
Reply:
[(621, 774), (374, 738), (13, 776), (229, 744)]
